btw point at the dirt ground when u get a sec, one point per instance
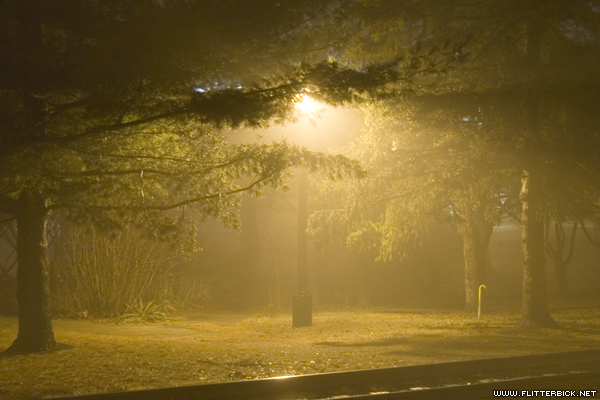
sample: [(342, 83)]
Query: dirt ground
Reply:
[(216, 347)]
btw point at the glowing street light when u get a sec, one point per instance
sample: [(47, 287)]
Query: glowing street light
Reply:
[(306, 105)]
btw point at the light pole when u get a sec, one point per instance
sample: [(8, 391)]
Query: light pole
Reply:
[(302, 304)]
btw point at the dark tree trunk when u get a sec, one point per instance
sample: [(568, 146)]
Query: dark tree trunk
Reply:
[(560, 273), (33, 290), (486, 231), (556, 253), (474, 256), (535, 301)]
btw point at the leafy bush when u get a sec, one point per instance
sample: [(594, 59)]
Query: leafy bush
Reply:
[(144, 312), (104, 274)]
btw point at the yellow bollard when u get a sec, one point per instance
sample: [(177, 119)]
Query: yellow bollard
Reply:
[(479, 304)]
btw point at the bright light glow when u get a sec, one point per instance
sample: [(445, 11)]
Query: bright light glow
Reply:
[(306, 105)]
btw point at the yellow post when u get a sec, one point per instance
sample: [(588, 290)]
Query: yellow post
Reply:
[(479, 304)]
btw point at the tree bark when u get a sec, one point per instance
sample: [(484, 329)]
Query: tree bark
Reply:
[(486, 231), (33, 289), (474, 256), (535, 301)]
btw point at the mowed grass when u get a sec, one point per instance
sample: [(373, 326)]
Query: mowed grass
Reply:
[(260, 347)]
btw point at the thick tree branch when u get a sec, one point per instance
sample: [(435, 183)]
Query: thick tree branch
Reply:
[(588, 235), (119, 126), (67, 106), (550, 250), (123, 172), (571, 244), (158, 158), (327, 77), (138, 171)]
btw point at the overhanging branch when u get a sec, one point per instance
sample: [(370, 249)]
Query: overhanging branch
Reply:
[(160, 207)]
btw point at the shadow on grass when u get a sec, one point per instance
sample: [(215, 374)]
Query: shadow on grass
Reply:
[(591, 331), (474, 342), (393, 341), (575, 327), (453, 347), (8, 353), (418, 312), (427, 345)]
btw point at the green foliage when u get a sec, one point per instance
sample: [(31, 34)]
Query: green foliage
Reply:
[(423, 168), (113, 102), (463, 142), (111, 107), (144, 312)]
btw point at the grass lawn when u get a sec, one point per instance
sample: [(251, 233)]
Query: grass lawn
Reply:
[(261, 347)]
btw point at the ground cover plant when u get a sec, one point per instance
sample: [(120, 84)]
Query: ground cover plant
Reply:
[(99, 357)]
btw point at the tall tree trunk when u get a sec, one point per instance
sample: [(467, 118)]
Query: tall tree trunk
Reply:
[(486, 231), (535, 301), (33, 289), (474, 256), (556, 253)]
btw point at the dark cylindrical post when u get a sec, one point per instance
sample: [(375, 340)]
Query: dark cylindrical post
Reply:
[(302, 305)]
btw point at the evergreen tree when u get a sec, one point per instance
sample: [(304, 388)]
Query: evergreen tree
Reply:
[(112, 105), (531, 60), (95, 104), (530, 68)]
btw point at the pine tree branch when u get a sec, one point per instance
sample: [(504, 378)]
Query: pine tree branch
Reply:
[(258, 106), (123, 172), (124, 125), (162, 207)]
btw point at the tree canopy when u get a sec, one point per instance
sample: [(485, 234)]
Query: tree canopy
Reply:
[(113, 105), (530, 83)]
